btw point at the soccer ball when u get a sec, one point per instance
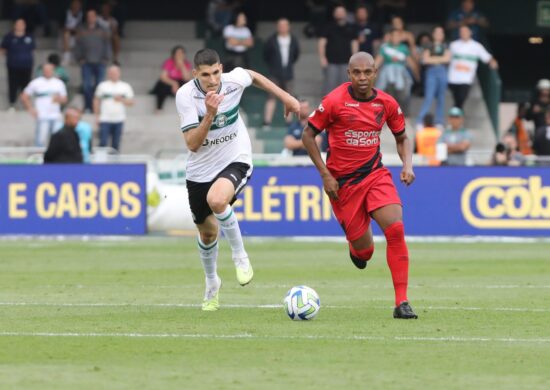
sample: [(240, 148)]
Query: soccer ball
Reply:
[(302, 303)]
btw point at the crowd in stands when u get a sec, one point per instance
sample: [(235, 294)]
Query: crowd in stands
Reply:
[(428, 64)]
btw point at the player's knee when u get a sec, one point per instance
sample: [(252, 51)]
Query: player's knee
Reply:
[(363, 254), (217, 203), (208, 237), (395, 232)]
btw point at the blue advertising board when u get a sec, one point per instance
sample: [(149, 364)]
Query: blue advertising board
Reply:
[(73, 199), (443, 201)]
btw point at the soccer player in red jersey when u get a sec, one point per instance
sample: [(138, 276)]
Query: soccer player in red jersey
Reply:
[(358, 185)]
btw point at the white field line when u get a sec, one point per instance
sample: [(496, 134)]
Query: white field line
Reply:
[(271, 337), (263, 306)]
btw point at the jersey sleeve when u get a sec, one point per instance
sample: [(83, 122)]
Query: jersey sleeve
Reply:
[(99, 90), (30, 88), (321, 117), (129, 92), (240, 76), (62, 89), (395, 118), (483, 54), (189, 118)]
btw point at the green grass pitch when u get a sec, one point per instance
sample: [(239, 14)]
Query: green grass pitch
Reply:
[(125, 314)]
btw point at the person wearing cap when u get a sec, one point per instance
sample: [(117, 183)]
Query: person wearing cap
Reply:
[(457, 138), (540, 104)]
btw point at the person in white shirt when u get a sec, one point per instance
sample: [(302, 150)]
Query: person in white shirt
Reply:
[(465, 54), (48, 93), (112, 96), (238, 39), (219, 162)]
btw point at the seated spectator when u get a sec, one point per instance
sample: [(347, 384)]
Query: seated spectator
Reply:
[(92, 51), (110, 24), (507, 152), (18, 47), (541, 141), (466, 15), (238, 40), (521, 130), (59, 71), (457, 138), (435, 59), (112, 96), (281, 51), (426, 140), (49, 93), (73, 18), (176, 71), (368, 32), (540, 103), (393, 76), (465, 54), (293, 139), (403, 36), (64, 146)]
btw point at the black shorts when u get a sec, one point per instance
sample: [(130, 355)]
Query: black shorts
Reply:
[(239, 174)]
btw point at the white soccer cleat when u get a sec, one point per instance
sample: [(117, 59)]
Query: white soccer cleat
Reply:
[(244, 270)]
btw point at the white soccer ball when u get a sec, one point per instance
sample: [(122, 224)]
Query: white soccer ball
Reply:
[(302, 303)]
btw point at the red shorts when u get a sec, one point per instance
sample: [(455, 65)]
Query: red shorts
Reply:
[(356, 202)]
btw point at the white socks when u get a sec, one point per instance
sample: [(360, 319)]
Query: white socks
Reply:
[(209, 256), (230, 228)]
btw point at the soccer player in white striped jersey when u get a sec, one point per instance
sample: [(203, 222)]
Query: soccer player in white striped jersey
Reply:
[(220, 158)]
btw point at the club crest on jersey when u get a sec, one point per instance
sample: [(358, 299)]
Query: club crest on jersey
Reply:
[(220, 120), (321, 108)]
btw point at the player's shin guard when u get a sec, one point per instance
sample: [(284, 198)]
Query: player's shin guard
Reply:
[(230, 228), (209, 256), (398, 260)]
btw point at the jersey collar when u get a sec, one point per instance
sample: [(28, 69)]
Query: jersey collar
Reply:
[(371, 98), (198, 85)]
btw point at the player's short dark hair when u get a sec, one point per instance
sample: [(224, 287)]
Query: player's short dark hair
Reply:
[(206, 57)]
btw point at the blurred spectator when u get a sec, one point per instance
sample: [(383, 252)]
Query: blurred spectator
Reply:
[(466, 15), (456, 137), (426, 140), (92, 52), (49, 93), (73, 18), (435, 59), (520, 129), (238, 40), (541, 141), (281, 51), (507, 152), (368, 32), (465, 54), (110, 24), (59, 71), (540, 104), (393, 76), (403, 36), (423, 43), (112, 96), (85, 135), (218, 15), (293, 139), (337, 42), (18, 47), (64, 146), (176, 71), (34, 13), (317, 12)]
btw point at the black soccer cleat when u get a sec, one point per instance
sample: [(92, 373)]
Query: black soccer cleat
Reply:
[(361, 264), (404, 311)]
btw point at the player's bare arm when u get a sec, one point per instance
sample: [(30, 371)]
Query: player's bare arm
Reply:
[(310, 144), (404, 149), (194, 138), (290, 103)]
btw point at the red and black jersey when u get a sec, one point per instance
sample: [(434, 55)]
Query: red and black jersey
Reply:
[(353, 126)]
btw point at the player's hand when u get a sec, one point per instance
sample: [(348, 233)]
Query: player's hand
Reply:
[(331, 186), (212, 102), (292, 105), (407, 176)]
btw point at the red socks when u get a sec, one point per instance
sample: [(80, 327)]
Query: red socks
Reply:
[(363, 254), (398, 260)]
